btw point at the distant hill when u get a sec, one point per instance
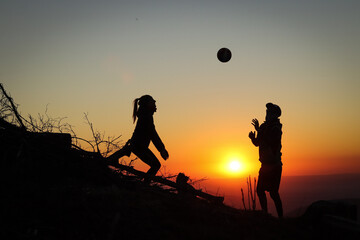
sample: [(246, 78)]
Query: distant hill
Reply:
[(297, 192), (301, 191)]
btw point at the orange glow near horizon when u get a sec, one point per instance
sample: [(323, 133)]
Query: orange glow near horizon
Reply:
[(235, 157)]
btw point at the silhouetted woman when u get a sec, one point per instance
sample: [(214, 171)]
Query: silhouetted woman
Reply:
[(144, 109)]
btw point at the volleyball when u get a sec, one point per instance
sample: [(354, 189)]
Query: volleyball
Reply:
[(224, 55)]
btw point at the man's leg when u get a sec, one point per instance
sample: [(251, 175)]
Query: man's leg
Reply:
[(278, 204), (274, 192), (262, 199), (260, 190)]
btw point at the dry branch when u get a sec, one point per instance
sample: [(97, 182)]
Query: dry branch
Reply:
[(251, 193), (172, 184), (98, 139), (254, 200), (13, 107), (243, 198), (248, 192)]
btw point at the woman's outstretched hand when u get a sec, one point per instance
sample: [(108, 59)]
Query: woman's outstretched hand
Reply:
[(164, 154)]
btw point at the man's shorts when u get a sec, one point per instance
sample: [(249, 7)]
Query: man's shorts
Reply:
[(269, 177)]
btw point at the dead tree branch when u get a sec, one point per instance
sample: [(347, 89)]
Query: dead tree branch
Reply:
[(96, 135), (158, 179), (13, 107), (98, 140)]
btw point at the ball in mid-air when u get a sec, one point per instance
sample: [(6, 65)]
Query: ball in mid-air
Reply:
[(224, 55)]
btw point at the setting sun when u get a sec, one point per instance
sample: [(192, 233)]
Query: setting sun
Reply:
[(235, 166), (232, 161)]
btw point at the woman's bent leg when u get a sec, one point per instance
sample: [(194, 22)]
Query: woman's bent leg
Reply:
[(148, 157)]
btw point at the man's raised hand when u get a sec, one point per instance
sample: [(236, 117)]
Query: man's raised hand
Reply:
[(252, 135), (255, 123)]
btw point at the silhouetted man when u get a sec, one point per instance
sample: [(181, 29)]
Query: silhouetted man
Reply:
[(268, 139)]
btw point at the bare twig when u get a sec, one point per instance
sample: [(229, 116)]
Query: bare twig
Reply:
[(129, 164), (46, 123), (248, 192), (96, 135), (251, 193), (164, 173), (243, 198), (88, 142), (254, 200), (13, 107)]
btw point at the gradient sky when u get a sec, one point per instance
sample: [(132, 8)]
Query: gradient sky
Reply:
[(98, 56)]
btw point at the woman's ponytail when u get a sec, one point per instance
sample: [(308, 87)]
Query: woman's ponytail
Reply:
[(135, 108), (143, 100)]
